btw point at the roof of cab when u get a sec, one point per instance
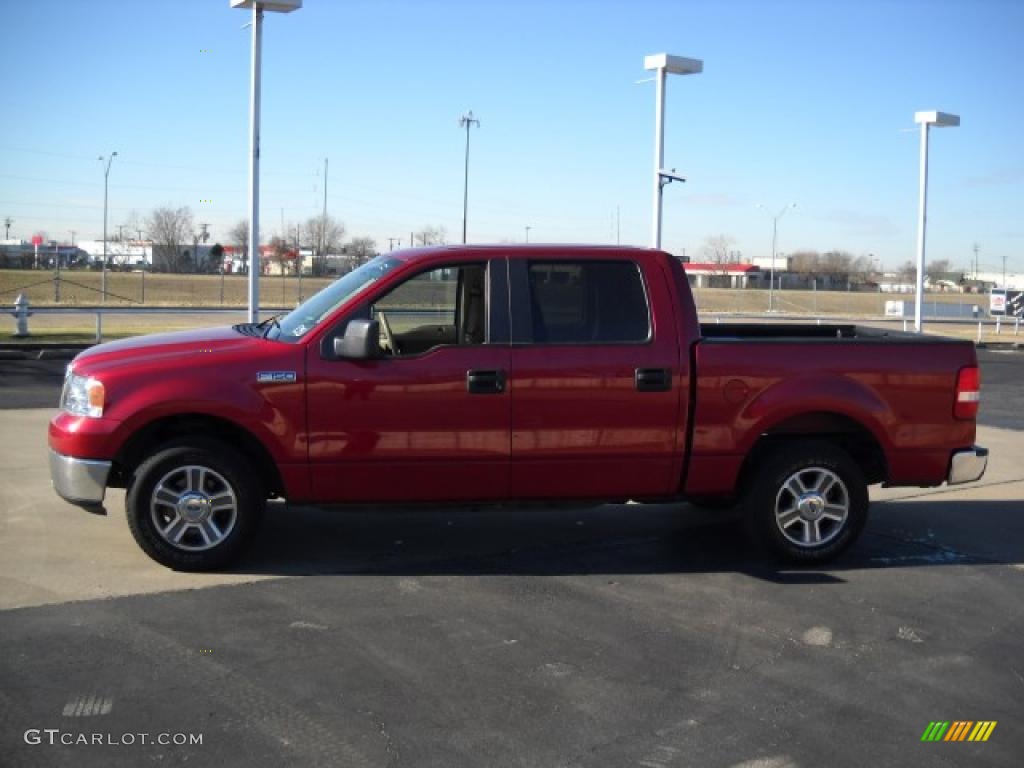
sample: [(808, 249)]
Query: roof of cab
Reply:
[(575, 250)]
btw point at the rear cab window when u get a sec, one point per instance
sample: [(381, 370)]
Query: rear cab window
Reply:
[(587, 302)]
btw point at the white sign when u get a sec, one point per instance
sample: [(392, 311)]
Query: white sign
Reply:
[(894, 308)]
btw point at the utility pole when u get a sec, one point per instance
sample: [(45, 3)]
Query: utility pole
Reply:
[(618, 227), (465, 122), (1004, 270), (323, 220), (528, 228), (976, 249), (72, 238), (298, 260), (7, 227), (392, 241), (56, 277), (106, 188)]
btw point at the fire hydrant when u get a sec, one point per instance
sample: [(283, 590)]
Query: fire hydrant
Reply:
[(21, 315)]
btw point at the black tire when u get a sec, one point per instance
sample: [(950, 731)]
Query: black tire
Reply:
[(194, 504), (803, 527)]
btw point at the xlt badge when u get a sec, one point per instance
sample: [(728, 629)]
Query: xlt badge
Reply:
[(275, 377)]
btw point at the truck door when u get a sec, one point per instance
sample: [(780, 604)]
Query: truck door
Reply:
[(429, 418), (595, 380)]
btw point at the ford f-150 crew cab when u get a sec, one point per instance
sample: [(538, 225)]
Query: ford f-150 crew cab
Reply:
[(505, 374)]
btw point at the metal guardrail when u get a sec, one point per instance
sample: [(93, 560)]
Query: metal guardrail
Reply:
[(23, 311)]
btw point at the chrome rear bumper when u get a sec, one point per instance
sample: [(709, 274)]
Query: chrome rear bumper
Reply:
[(967, 465), (80, 481)]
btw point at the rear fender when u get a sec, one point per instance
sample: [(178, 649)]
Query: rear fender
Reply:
[(819, 393)]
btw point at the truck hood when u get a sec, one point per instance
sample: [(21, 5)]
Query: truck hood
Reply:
[(165, 347)]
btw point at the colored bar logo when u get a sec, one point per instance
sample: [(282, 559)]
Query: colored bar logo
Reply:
[(959, 730)]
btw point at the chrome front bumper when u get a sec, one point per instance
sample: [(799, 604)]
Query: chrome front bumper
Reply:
[(80, 481), (967, 465)]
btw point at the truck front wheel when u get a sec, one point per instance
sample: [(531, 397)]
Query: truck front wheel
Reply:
[(808, 502), (192, 505)]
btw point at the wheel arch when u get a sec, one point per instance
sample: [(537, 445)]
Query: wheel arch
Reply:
[(842, 431), (203, 426)]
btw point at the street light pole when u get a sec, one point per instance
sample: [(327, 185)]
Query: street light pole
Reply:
[(106, 187), (926, 119), (255, 262), (775, 237), (465, 122), (663, 64), (528, 233), (659, 153)]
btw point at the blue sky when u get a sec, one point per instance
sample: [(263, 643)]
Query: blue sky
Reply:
[(805, 102)]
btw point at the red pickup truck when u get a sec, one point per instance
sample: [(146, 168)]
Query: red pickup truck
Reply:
[(506, 374)]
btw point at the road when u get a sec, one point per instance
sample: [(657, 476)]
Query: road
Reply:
[(626, 635)]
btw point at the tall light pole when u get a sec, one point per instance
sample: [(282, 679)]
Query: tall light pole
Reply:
[(106, 186), (322, 245), (465, 122), (663, 64), (775, 238), (528, 228), (255, 262), (927, 120)]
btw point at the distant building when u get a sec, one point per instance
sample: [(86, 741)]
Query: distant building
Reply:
[(706, 275), (1014, 280), (15, 254), (128, 254)]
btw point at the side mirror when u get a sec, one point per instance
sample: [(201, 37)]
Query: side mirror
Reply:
[(360, 342)]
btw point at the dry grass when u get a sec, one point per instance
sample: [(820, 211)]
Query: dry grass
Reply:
[(814, 303)]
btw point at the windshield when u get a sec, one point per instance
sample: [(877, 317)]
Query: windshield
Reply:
[(311, 312)]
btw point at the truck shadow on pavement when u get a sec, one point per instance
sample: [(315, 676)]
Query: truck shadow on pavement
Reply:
[(615, 539)]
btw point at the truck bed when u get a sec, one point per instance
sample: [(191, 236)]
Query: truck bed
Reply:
[(790, 332)]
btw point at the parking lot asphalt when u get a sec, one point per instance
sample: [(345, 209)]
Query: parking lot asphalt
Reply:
[(624, 635)]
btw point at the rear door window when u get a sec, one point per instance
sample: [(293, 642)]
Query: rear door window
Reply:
[(588, 302)]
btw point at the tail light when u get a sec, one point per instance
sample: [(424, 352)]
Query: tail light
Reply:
[(968, 393)]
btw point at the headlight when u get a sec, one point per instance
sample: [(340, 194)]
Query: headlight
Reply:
[(82, 395)]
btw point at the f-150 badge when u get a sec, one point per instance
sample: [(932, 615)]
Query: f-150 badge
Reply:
[(275, 377)]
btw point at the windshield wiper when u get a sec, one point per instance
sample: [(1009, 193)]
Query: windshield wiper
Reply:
[(270, 322)]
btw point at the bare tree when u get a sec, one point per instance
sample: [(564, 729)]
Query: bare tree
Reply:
[(936, 269), (718, 251), (281, 254), (863, 269), (239, 235), (429, 235), (362, 249), (215, 259), (325, 234), (169, 228), (907, 272), (133, 224), (805, 263)]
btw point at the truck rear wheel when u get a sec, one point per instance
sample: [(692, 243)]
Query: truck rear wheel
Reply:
[(808, 502), (193, 506)]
